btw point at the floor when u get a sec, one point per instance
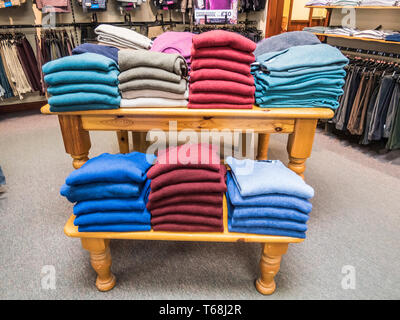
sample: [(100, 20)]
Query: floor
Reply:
[(355, 222)]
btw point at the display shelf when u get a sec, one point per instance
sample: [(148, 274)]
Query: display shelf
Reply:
[(352, 7), (72, 231), (355, 38)]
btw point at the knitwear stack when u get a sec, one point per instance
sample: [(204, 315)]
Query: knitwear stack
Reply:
[(110, 192), (265, 197), (152, 79), (87, 81), (187, 186), (220, 75)]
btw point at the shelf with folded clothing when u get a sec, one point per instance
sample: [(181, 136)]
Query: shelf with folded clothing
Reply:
[(355, 38), (353, 7), (72, 231)]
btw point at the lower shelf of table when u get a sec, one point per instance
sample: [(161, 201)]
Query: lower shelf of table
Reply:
[(72, 231)]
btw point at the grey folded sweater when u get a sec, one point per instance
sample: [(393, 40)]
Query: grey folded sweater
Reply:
[(171, 62), (154, 84), (148, 73)]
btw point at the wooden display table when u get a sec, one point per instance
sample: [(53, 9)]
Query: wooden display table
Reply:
[(299, 123)]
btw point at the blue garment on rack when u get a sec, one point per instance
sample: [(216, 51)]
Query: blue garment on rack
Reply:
[(83, 98), (87, 76), (81, 62), (393, 37), (83, 88), (106, 218), (108, 51), (122, 227), (267, 176), (118, 204), (100, 190), (243, 205), (118, 168)]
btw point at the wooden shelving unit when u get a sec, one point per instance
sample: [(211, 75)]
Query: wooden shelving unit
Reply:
[(352, 7), (355, 38)]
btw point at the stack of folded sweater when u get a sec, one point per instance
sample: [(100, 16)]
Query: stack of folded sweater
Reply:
[(111, 192), (121, 38), (152, 79), (220, 75), (87, 81), (300, 76), (187, 186), (265, 197), (174, 42)]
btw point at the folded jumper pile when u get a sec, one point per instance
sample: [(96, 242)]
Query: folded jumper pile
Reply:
[(110, 192), (187, 186), (152, 79), (220, 75), (265, 197), (300, 76), (87, 81)]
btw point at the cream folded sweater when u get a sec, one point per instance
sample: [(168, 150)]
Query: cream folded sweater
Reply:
[(152, 103)]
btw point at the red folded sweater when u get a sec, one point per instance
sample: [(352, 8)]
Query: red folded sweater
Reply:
[(187, 227), (216, 98), (183, 175), (221, 86), (222, 38), (201, 156), (219, 106), (187, 219), (191, 209), (224, 53), (213, 63), (184, 199), (219, 74)]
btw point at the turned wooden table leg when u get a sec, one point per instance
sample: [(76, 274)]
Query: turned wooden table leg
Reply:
[(269, 264), (262, 149), (300, 144), (100, 258), (76, 140), (123, 141)]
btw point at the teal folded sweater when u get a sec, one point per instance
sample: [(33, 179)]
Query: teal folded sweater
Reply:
[(88, 76), (83, 98), (84, 87)]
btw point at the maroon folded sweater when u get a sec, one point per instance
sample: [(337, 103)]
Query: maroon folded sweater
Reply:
[(219, 74), (201, 156), (185, 199), (213, 63), (226, 53), (222, 38), (219, 106), (187, 227), (187, 219), (190, 209), (215, 98), (184, 175), (221, 86)]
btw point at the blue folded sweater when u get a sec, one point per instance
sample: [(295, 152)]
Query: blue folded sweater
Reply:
[(84, 87), (243, 205), (130, 167), (105, 218), (83, 107), (268, 223), (85, 61), (267, 177), (88, 76), (99, 190), (118, 204), (83, 98), (122, 227), (110, 52)]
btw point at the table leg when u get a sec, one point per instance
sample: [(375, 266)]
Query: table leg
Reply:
[(123, 141), (300, 144), (139, 141), (262, 149), (76, 140), (100, 258), (269, 264)]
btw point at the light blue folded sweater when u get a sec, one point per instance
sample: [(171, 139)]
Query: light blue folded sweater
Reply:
[(262, 177), (83, 98), (268, 223), (85, 61), (84, 87), (88, 76)]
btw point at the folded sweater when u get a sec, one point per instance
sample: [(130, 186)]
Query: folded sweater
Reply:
[(187, 219), (222, 38), (152, 103), (269, 223), (83, 98), (188, 199), (130, 167), (151, 93), (193, 209), (104, 218), (141, 73), (83, 87), (219, 106), (84, 107), (214, 98), (215, 63), (174, 42), (107, 51), (154, 84), (171, 62), (222, 86), (121, 227), (186, 227), (76, 76), (219, 74), (225, 53)]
